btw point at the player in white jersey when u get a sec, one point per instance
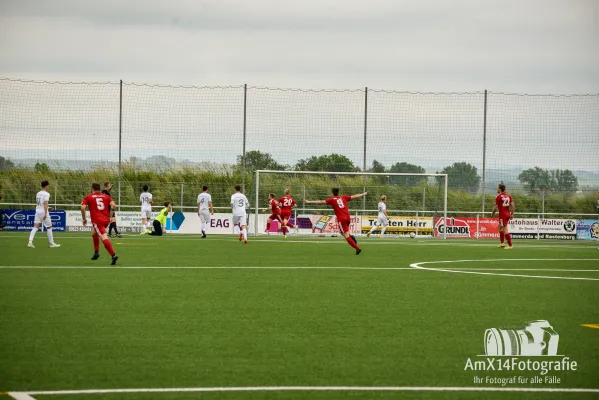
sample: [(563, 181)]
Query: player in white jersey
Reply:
[(42, 215), (238, 205), (146, 210), (383, 219), (205, 209)]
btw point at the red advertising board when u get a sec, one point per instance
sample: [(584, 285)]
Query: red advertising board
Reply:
[(467, 227)]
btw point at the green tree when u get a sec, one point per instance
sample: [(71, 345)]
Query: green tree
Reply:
[(462, 175), (563, 180), (255, 160), (377, 167), (5, 164), (333, 162), (535, 179), (42, 168), (406, 168)]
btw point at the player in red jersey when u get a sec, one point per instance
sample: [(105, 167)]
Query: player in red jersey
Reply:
[(99, 205), (286, 203), (275, 212), (505, 204), (339, 204)]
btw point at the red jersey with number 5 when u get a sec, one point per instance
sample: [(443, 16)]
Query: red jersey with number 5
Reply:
[(339, 204), (286, 202), (99, 207), (503, 200)]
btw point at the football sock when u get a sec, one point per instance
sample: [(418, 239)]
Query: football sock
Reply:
[(203, 226), (383, 231), (50, 236), (245, 234), (110, 228), (289, 224), (32, 234), (509, 239), (268, 226), (351, 242), (116, 229), (96, 243), (501, 236), (108, 247), (373, 228), (284, 230)]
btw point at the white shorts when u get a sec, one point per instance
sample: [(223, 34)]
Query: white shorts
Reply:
[(146, 213), (240, 219), (38, 219), (205, 216), (382, 222)]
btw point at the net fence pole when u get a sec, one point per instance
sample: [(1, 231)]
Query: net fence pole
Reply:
[(257, 186), (364, 157), (245, 96), (120, 140), (181, 206), (445, 208), (484, 152)]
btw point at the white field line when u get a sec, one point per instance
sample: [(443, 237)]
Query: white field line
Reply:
[(457, 271), (198, 267), (319, 389), (20, 396)]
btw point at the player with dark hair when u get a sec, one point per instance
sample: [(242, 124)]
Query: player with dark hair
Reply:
[(505, 204), (286, 203), (239, 204), (275, 215), (106, 191), (42, 215), (205, 209), (160, 220), (339, 204), (99, 205), (146, 210)]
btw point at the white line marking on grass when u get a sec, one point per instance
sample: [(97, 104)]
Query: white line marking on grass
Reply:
[(457, 271), (20, 396), (199, 267), (320, 389)]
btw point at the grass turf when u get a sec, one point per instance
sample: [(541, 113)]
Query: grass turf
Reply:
[(129, 327)]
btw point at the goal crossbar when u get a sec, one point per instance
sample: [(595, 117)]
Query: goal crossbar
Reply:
[(267, 171)]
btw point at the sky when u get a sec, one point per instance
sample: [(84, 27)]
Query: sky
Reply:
[(504, 46)]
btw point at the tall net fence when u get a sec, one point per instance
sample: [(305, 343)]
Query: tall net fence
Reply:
[(543, 147)]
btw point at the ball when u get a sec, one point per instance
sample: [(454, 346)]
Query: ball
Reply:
[(412, 235)]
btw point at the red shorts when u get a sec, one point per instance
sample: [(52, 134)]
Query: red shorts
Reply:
[(504, 221), (99, 228), (275, 217), (285, 216), (344, 225)]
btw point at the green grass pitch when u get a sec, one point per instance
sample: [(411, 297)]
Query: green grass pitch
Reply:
[(294, 312)]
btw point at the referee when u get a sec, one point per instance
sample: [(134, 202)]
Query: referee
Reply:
[(161, 219), (106, 191)]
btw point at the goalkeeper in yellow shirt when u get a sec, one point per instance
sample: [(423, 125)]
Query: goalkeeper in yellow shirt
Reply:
[(160, 220)]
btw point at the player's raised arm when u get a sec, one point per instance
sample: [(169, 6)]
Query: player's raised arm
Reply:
[(316, 202), (357, 196)]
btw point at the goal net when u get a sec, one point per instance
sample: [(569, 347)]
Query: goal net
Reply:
[(416, 204)]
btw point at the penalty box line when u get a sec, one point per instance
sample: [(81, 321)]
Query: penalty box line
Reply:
[(21, 395)]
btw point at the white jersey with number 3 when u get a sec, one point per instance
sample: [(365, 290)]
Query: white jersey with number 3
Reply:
[(40, 198), (238, 204)]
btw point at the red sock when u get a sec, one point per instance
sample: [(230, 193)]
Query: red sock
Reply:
[(96, 243), (268, 226), (351, 242), (501, 236), (509, 239), (108, 247), (289, 224), (284, 230)]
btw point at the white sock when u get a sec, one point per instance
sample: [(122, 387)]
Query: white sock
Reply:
[(50, 236), (32, 234), (245, 233), (373, 228), (204, 226), (383, 231), (236, 229)]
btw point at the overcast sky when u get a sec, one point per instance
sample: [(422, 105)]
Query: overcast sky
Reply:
[(531, 46)]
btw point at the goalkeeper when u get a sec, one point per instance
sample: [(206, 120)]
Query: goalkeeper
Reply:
[(160, 220)]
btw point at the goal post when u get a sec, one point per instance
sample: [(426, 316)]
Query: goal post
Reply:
[(416, 202)]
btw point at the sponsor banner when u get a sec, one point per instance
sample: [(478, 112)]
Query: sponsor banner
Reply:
[(587, 229), (459, 227), (327, 224), (190, 222), (23, 220), (127, 221), (535, 228), (399, 225)]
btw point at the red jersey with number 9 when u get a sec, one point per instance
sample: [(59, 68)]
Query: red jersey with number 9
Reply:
[(503, 200), (339, 204), (99, 207)]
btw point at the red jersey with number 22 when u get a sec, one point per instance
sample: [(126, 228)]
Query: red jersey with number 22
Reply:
[(503, 200), (339, 204), (99, 207)]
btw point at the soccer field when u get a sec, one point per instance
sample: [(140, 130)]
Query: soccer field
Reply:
[(289, 319)]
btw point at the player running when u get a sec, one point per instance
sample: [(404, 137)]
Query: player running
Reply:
[(106, 191), (286, 203), (42, 215), (383, 219), (238, 205), (146, 210), (505, 204), (339, 204), (205, 209), (99, 206), (275, 212)]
